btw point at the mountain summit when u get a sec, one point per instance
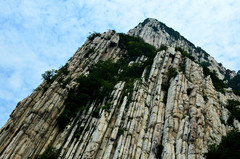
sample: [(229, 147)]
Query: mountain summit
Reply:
[(146, 94), (157, 34)]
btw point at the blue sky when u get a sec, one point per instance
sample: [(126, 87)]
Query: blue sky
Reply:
[(36, 36)]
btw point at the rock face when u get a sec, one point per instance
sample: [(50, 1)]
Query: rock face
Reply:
[(157, 33), (183, 119)]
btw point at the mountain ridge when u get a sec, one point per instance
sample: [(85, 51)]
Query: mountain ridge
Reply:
[(177, 41)]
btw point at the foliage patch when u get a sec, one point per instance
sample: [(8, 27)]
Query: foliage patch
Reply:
[(172, 73), (98, 84), (232, 106), (218, 84), (136, 47), (234, 83), (93, 36), (51, 75), (104, 75), (229, 147), (185, 53), (162, 47), (49, 153)]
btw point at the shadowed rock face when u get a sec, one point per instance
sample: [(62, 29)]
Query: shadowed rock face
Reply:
[(184, 118)]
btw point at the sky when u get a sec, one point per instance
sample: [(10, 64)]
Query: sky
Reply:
[(36, 36)]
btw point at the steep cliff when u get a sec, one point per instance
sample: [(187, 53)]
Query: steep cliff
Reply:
[(157, 33), (119, 97)]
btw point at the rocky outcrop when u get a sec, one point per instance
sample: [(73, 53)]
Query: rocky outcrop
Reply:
[(157, 34), (182, 118)]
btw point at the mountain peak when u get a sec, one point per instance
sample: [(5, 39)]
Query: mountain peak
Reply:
[(159, 32), (156, 25), (150, 20)]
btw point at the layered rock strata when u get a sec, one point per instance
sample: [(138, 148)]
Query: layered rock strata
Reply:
[(157, 33), (184, 119)]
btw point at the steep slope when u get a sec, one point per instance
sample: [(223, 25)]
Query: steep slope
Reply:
[(156, 102), (157, 33)]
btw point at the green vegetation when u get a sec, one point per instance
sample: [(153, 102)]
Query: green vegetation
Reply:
[(49, 153), (112, 44), (135, 47), (78, 132), (182, 66), (170, 31), (185, 53), (64, 83), (222, 121), (205, 64), (98, 84), (148, 70), (218, 84), (155, 28), (133, 71), (51, 75), (159, 151), (234, 83), (145, 22), (62, 70), (227, 75), (172, 73), (96, 113), (232, 106), (107, 107), (89, 52), (229, 147), (202, 52), (104, 75), (220, 64), (48, 75), (162, 47), (93, 36), (121, 131)]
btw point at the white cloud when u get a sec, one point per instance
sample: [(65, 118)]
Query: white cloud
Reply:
[(39, 35)]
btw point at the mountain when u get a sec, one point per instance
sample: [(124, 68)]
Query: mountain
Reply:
[(146, 94)]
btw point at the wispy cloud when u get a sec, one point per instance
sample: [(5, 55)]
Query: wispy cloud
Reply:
[(39, 35)]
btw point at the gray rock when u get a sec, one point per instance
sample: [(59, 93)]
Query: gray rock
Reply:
[(184, 119)]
